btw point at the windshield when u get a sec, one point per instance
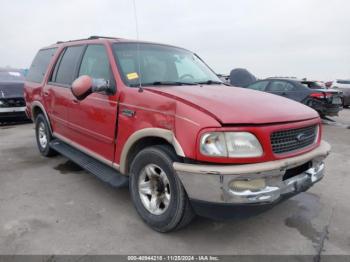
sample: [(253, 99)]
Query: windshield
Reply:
[(9, 76), (153, 64)]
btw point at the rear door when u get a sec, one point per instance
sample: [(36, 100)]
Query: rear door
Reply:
[(259, 85), (92, 121), (58, 95)]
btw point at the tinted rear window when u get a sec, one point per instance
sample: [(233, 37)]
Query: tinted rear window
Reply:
[(313, 84), (280, 86), (345, 82), (39, 66), (67, 65), (261, 85)]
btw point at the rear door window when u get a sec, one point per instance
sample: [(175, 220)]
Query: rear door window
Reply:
[(261, 85), (280, 86), (39, 65), (65, 70)]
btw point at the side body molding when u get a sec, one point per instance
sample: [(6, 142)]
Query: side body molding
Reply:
[(168, 135)]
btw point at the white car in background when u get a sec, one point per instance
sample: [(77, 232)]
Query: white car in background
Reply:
[(344, 86)]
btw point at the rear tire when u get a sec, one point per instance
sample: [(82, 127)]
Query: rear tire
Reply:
[(157, 193), (43, 136)]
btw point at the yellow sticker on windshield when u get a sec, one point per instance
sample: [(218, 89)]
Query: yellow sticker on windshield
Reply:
[(132, 76)]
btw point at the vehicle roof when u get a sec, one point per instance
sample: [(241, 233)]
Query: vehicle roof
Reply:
[(101, 39), (284, 79)]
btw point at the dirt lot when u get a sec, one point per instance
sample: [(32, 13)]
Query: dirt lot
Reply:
[(51, 206)]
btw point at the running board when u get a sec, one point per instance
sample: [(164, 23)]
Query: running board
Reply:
[(102, 171)]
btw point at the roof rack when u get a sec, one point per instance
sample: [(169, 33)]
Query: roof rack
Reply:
[(98, 36), (89, 38)]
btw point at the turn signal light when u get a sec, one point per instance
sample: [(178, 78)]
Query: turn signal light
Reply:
[(252, 185)]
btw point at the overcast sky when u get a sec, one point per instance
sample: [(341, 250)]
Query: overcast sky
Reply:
[(270, 38)]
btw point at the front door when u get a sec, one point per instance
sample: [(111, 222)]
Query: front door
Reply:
[(92, 121)]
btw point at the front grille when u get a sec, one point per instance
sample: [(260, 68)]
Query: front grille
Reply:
[(290, 140), (13, 102)]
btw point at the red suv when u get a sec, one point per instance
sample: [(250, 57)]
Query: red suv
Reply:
[(157, 118)]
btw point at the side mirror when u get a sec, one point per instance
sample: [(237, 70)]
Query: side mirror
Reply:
[(82, 87), (85, 85)]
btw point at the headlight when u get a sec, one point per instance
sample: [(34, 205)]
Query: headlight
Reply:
[(230, 144), (242, 144), (213, 144)]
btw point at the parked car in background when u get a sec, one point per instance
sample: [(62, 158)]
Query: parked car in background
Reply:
[(328, 84), (12, 104), (344, 86), (326, 102), (157, 118)]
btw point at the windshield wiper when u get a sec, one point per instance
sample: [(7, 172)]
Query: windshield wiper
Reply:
[(210, 82), (168, 83)]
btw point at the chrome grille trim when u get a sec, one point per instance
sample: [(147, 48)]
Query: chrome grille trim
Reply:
[(290, 140)]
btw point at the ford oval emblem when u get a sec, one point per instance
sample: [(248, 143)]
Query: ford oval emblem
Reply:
[(300, 137)]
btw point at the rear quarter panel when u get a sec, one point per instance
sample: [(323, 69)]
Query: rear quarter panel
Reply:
[(32, 92)]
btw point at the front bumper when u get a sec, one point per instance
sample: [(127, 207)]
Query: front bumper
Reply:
[(12, 109), (212, 183), (12, 112)]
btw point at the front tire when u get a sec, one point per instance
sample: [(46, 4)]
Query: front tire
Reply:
[(43, 136), (157, 193)]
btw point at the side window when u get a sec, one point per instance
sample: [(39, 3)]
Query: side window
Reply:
[(39, 65), (66, 66), (280, 86), (261, 85), (95, 63)]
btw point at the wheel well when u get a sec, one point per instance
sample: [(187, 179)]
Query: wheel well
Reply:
[(36, 111), (141, 144)]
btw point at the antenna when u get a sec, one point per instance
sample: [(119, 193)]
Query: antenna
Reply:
[(137, 46)]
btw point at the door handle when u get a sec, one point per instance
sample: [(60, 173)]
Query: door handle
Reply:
[(128, 112), (46, 93)]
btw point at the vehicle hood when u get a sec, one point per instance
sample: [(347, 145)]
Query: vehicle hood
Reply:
[(234, 105), (11, 89)]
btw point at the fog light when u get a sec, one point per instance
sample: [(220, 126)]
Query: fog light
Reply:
[(252, 185)]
